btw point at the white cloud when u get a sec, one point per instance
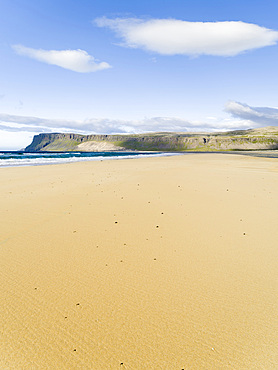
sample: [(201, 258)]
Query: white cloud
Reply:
[(172, 36), (74, 60), (259, 116)]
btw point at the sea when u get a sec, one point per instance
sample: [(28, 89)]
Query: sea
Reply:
[(21, 158)]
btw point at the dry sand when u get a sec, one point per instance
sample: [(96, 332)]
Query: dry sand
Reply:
[(153, 263)]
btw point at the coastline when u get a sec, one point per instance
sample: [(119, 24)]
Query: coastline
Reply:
[(18, 159), (167, 262), (21, 158)]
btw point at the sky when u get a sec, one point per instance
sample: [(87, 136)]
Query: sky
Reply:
[(106, 67)]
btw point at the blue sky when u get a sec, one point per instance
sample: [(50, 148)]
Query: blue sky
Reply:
[(124, 66)]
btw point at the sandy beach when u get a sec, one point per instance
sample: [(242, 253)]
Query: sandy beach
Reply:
[(150, 263)]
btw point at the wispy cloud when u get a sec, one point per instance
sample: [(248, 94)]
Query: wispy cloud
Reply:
[(74, 60), (110, 126), (173, 36), (260, 116), (31, 129)]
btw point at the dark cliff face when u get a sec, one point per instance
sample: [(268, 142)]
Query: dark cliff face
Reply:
[(266, 138), (42, 141)]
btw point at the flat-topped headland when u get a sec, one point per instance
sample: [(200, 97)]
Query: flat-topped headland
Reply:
[(253, 139)]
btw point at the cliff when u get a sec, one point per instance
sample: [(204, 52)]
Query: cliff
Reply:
[(253, 139)]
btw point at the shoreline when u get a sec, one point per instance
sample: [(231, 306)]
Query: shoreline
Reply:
[(162, 262), (19, 159), (40, 158)]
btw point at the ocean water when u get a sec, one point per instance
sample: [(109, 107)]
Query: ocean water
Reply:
[(14, 159)]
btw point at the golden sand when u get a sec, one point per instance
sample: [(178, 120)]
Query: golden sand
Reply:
[(153, 263)]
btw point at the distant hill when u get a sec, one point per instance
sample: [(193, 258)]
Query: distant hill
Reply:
[(253, 139)]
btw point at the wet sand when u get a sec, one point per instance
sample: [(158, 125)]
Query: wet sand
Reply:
[(151, 263)]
